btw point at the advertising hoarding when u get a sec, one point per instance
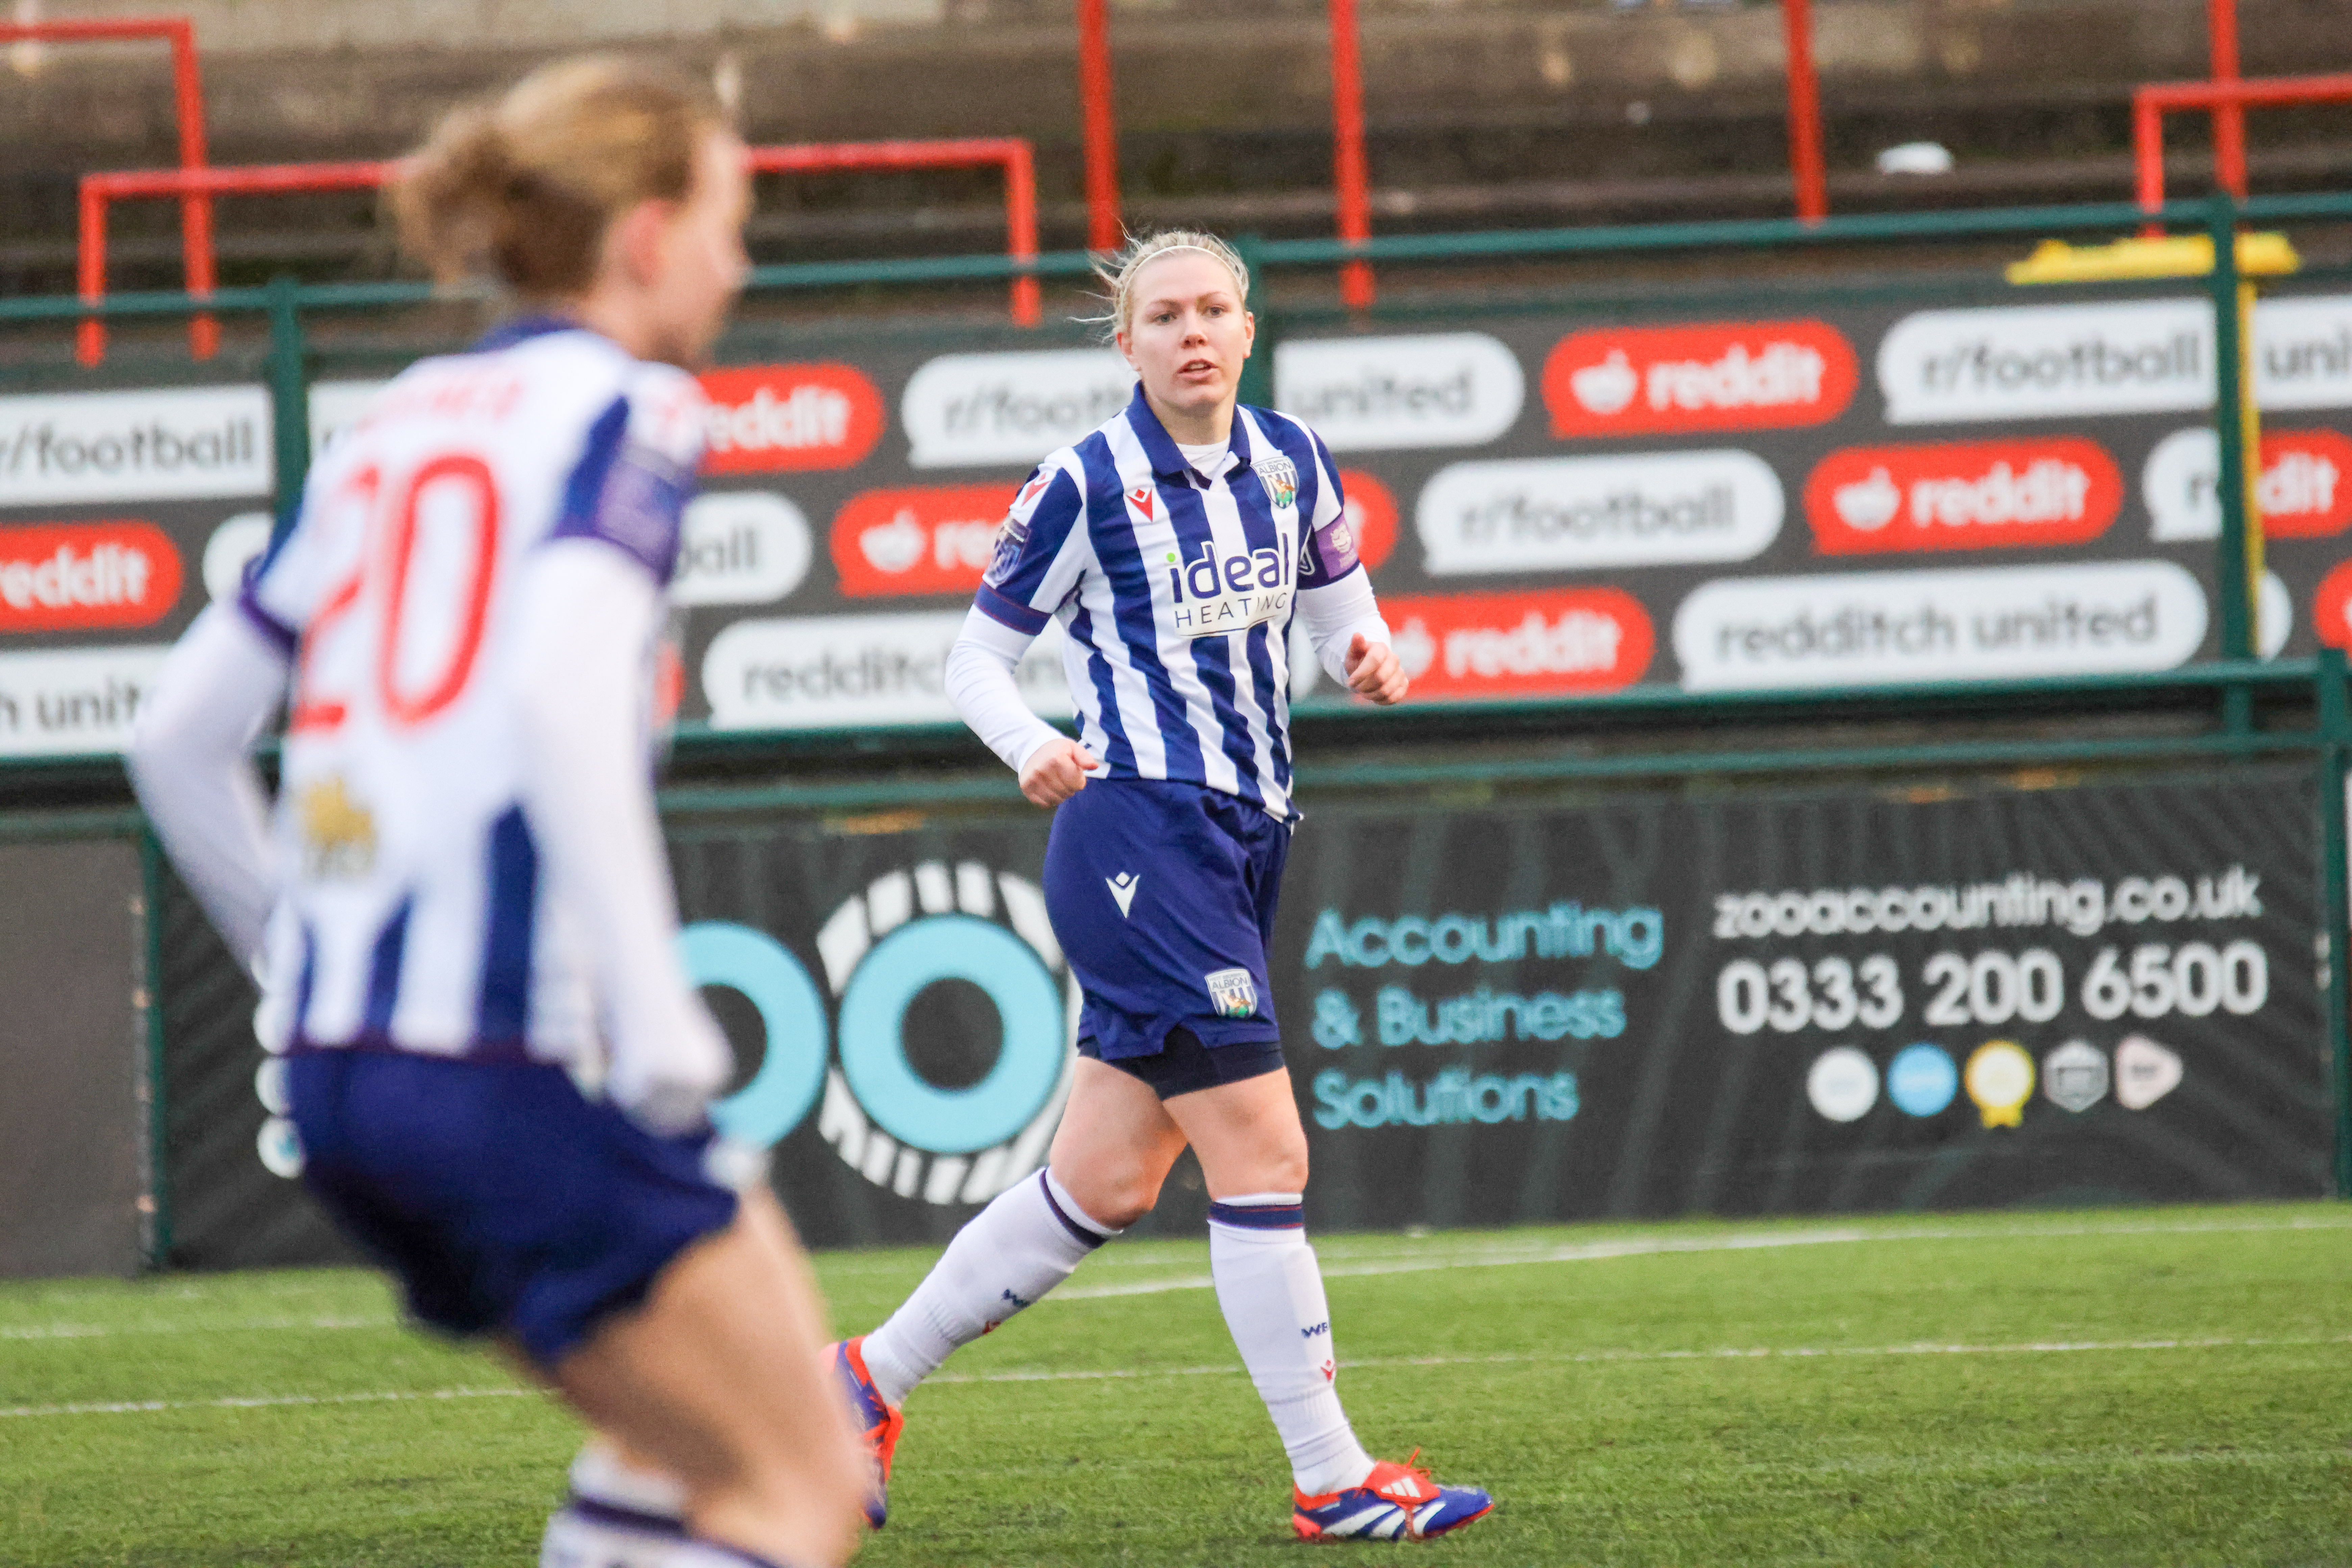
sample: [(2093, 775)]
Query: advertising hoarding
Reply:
[(74, 1195), (1645, 1008), (2034, 481), (1801, 1003)]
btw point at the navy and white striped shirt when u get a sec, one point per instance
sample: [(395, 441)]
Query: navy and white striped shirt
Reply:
[(415, 910), (1177, 591)]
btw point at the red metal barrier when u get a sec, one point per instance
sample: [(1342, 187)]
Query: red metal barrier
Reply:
[(1807, 166), (1011, 153), (2152, 102), (1350, 177), (2229, 119), (1100, 127), (99, 191), (188, 111)]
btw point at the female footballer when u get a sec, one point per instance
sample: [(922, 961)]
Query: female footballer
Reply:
[(498, 1067), (1175, 545)]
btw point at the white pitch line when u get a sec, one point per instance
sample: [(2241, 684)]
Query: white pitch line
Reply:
[(244, 1325), (1589, 1358), (1339, 1267), (1649, 1246), (265, 1402), (1125, 1374), (1584, 1253)]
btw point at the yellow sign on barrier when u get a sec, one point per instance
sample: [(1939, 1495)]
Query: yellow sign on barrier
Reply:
[(2173, 256)]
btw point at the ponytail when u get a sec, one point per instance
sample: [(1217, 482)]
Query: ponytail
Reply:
[(522, 190)]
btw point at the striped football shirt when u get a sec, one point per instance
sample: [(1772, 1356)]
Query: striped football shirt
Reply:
[(1177, 589)]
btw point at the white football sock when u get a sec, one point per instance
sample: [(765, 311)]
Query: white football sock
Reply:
[(600, 1475), (1007, 1257), (618, 1515), (573, 1539), (1272, 1292), (711, 1554)]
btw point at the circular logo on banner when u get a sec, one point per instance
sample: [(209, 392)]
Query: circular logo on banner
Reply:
[(791, 1018), (2000, 1079), (1922, 1080), (882, 950), (873, 1034), (1842, 1085)]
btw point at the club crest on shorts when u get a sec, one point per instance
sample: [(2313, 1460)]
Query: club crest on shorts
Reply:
[(1232, 992), (1279, 475)]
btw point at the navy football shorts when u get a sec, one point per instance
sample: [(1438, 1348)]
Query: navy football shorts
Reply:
[(504, 1200), (1162, 896), (1185, 1066)]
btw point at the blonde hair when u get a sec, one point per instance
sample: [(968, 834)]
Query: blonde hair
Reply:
[(1119, 273), (524, 188)]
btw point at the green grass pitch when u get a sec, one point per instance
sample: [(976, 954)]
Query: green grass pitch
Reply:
[(2151, 1386)]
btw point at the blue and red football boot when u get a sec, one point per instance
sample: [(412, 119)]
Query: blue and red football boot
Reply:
[(1396, 1503), (879, 1422)]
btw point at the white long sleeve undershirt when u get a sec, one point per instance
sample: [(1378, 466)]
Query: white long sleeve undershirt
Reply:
[(1334, 613), (979, 680), (191, 763), (585, 615)]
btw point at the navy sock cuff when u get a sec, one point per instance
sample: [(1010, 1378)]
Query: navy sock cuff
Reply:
[(614, 1517), (1259, 1216), (737, 1554), (1086, 1238)]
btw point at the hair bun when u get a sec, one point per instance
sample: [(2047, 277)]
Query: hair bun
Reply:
[(523, 189)]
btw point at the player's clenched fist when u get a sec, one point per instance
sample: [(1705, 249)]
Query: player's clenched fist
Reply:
[(1056, 770), (1373, 672)]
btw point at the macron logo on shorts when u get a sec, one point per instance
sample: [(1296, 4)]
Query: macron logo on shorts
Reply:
[(1122, 888)]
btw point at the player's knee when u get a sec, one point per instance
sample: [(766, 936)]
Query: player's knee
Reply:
[(1279, 1163), (1114, 1198), (1126, 1203)]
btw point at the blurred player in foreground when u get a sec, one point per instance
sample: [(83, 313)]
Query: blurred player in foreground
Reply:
[(498, 1071), (1174, 544)]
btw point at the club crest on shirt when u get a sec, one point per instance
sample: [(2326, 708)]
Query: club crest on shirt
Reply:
[(337, 832), (1233, 991), (1279, 475)]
